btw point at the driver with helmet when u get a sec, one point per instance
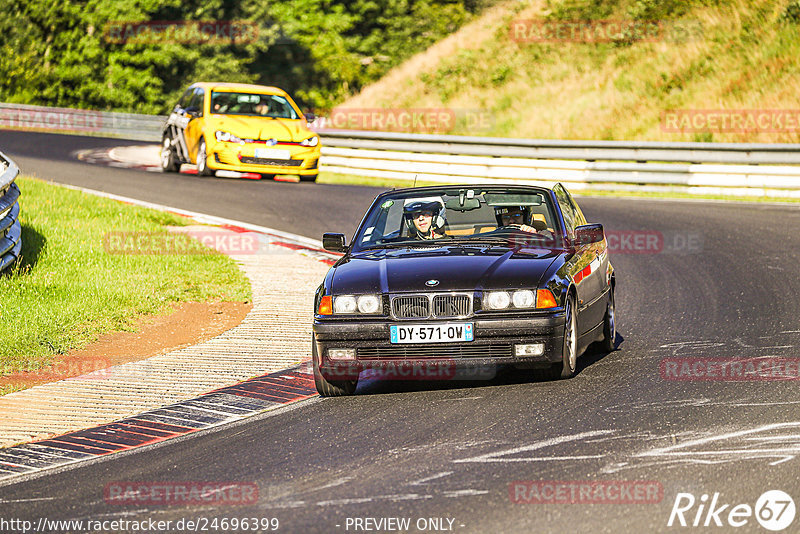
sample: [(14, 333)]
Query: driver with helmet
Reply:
[(516, 216), (423, 219)]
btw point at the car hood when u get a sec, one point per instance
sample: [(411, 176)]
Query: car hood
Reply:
[(455, 268), (262, 128)]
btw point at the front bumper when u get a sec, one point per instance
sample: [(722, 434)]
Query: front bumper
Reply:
[(493, 345), (241, 158)]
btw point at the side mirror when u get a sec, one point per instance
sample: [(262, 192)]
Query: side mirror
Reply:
[(192, 110), (310, 117), (334, 242), (588, 234)]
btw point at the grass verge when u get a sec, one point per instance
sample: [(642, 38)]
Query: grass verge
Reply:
[(67, 289)]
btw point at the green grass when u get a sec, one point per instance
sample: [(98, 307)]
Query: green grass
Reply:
[(68, 289), (735, 55)]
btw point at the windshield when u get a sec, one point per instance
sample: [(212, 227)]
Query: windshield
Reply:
[(253, 104), (479, 215)]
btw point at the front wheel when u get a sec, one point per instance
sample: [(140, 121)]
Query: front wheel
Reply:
[(308, 178), (169, 161), (202, 160), (330, 388), (569, 353)]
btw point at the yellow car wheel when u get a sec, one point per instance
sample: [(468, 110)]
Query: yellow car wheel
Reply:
[(202, 160)]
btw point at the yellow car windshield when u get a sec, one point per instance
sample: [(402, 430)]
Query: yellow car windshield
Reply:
[(252, 104)]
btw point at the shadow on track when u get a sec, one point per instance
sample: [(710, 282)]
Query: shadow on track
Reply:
[(505, 376)]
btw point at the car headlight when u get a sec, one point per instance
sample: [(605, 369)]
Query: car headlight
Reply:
[(523, 298), (501, 300), (496, 300), (227, 137), (344, 304), (311, 141), (366, 304)]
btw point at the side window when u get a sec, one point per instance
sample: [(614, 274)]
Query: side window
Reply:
[(566, 209), (197, 101), (579, 218), (183, 101)]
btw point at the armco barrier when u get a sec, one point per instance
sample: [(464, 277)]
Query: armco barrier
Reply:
[(758, 169), (79, 121), (10, 228)]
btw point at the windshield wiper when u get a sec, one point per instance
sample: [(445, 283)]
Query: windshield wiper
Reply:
[(488, 240), (405, 244)]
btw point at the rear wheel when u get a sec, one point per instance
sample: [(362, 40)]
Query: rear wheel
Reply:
[(202, 159), (169, 161), (330, 388), (609, 324), (267, 176)]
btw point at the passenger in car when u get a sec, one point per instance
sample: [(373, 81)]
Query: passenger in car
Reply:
[(424, 220)]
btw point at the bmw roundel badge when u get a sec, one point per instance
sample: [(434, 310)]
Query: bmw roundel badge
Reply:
[(432, 283)]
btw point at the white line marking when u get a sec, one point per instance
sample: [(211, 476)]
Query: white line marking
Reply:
[(393, 498), (673, 450), (4, 501), (337, 482), (199, 217), (465, 493), (432, 477), (494, 456)]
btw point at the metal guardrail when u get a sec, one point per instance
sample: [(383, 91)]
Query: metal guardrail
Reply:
[(632, 151), (98, 123), (760, 169), (10, 228)]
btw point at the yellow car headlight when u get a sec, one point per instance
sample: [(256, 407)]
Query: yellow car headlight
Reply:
[(227, 137), (311, 141)]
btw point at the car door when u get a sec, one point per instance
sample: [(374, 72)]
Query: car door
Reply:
[(577, 265), (593, 274), (176, 124), (194, 122)]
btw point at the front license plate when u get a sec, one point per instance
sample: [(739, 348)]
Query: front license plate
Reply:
[(423, 333), (272, 153)]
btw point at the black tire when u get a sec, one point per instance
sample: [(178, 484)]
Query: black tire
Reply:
[(202, 160), (569, 353), (609, 324), (309, 178), (330, 388), (169, 160), (267, 176)]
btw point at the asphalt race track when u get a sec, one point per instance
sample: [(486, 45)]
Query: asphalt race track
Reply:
[(720, 282)]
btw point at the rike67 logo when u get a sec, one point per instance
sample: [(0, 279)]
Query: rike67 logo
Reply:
[(774, 510)]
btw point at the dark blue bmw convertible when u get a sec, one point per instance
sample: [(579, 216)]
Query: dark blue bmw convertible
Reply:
[(463, 275)]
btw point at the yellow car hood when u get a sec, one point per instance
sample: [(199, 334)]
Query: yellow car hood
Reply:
[(262, 127)]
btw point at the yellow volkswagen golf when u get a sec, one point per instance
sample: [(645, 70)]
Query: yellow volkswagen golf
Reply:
[(240, 127)]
